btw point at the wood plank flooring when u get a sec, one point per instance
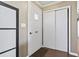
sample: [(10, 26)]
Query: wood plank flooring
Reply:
[(46, 52)]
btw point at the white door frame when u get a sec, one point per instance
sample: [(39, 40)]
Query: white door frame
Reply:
[(29, 8), (69, 34)]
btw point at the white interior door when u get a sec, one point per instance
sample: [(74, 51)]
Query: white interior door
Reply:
[(34, 28), (61, 30), (7, 32), (55, 29), (49, 29)]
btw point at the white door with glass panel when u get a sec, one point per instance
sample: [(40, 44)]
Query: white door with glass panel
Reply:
[(7, 32)]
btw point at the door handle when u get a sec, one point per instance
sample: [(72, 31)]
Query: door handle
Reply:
[(36, 31), (30, 33)]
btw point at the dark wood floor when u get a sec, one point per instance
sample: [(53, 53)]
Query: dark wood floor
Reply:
[(46, 52)]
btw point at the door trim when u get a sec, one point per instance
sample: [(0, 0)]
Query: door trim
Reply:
[(42, 29), (17, 25)]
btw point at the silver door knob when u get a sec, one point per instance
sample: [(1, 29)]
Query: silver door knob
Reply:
[(30, 33)]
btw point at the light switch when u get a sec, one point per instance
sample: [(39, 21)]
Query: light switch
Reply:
[(23, 25)]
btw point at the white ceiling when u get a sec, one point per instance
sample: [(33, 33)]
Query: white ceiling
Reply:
[(46, 2)]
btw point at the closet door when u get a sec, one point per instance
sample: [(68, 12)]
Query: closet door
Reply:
[(49, 29), (8, 31), (61, 30)]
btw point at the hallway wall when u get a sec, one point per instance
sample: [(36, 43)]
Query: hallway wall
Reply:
[(73, 33), (23, 31), (23, 18)]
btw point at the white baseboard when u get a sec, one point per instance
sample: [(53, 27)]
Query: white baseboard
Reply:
[(27, 56), (42, 46), (72, 53)]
